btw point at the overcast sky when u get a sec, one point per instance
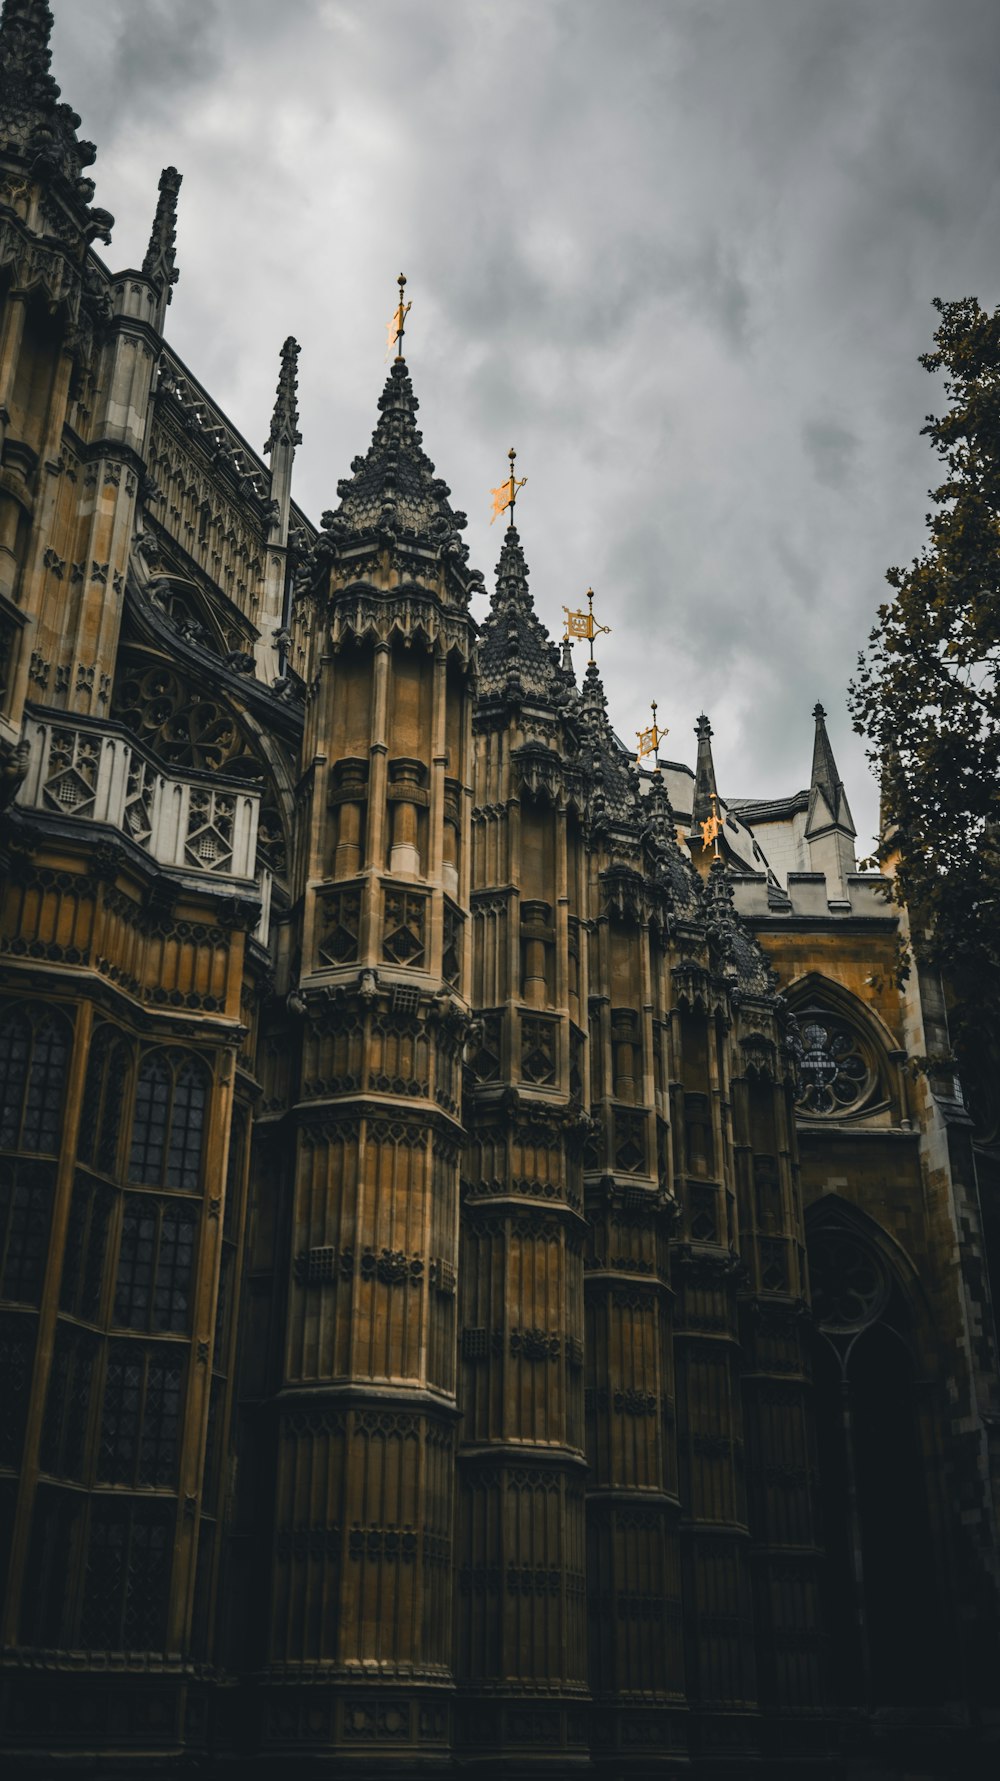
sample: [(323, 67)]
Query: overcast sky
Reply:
[(680, 253)]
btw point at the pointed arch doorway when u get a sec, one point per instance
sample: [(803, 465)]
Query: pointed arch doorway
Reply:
[(878, 1481)]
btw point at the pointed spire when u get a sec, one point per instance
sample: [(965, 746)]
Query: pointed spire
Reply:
[(825, 783), (595, 699), (745, 963), (394, 488), (35, 125), (659, 810), (512, 573), (721, 902), (611, 768), (159, 264), (705, 787), (515, 650), (829, 831), (285, 419), (824, 768)]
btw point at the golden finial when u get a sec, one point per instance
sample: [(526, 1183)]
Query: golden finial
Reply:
[(711, 830), (506, 494), (649, 740), (584, 624), (397, 320)]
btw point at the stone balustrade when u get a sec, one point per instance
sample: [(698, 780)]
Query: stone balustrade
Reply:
[(195, 822)]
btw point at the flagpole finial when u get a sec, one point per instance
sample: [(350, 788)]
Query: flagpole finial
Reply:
[(650, 739), (505, 496), (584, 624), (397, 321)]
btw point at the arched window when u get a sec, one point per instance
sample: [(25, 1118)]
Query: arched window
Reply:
[(34, 1056), (103, 1099), (168, 1126)]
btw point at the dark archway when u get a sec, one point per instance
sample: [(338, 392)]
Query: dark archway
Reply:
[(883, 1596)]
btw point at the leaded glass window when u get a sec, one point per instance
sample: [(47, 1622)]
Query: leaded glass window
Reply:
[(168, 1125), (834, 1073), (17, 1348), (128, 1572), (86, 1247), (103, 1098), (46, 1607), (26, 1190), (155, 1264), (141, 1416), (34, 1057), (67, 1406), (187, 1127), (15, 1055)]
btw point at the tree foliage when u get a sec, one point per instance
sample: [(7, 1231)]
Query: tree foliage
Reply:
[(927, 690)]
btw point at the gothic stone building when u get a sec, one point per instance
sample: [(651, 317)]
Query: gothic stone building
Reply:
[(486, 1286)]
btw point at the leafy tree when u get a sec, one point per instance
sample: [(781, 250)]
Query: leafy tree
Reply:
[(927, 690)]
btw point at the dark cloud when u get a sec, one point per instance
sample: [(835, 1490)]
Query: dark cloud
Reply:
[(681, 254), (832, 449)]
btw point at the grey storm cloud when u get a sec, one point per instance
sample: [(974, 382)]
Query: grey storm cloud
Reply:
[(681, 253)]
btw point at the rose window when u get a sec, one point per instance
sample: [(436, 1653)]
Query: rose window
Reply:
[(834, 1074)]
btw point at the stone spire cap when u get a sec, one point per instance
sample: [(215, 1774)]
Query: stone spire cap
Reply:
[(826, 784), (609, 762), (394, 488), (516, 654), (659, 812), (285, 419), (160, 263), (672, 865), (35, 125)]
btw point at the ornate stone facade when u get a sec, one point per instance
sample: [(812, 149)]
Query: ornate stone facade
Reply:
[(482, 1280)]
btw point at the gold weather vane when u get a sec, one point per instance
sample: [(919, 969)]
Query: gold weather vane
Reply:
[(711, 830), (506, 494), (397, 320), (649, 740), (584, 624)]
